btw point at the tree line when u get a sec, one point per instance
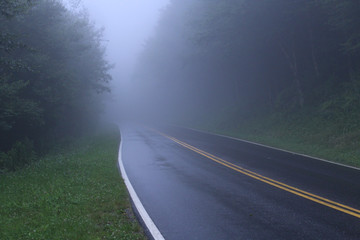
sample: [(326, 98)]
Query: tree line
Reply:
[(255, 57), (52, 71)]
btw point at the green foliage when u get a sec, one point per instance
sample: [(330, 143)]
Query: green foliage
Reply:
[(75, 193), (11, 8), (263, 55), (343, 16), (344, 108), (13, 106), (52, 72), (21, 154), (287, 71), (305, 132)]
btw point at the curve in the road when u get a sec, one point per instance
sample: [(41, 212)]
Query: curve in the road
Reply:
[(315, 198), (150, 225)]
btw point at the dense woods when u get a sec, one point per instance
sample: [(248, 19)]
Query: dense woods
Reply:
[(244, 58), (229, 61), (52, 71)]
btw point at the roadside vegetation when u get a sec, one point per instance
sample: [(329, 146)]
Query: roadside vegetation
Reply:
[(303, 133), (75, 192), (282, 72), (52, 74), (58, 179)]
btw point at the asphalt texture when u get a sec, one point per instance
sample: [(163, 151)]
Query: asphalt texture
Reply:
[(189, 196)]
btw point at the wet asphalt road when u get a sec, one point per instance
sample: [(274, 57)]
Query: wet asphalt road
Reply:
[(189, 196)]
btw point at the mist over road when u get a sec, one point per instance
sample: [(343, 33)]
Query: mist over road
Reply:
[(201, 186)]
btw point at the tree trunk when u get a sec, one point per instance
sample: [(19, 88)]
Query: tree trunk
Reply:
[(292, 61), (299, 91), (236, 90), (313, 56), (312, 44)]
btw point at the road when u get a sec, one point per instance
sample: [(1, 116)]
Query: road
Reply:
[(196, 185)]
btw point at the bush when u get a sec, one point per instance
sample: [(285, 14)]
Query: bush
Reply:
[(21, 154)]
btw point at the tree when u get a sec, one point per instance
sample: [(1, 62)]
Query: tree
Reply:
[(253, 56), (52, 72)]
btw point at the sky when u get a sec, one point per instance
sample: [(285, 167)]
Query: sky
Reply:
[(127, 23)]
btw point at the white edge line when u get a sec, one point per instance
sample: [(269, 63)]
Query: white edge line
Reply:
[(140, 208), (262, 145)]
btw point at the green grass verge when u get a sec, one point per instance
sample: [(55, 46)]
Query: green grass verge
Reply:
[(305, 134), (77, 193)]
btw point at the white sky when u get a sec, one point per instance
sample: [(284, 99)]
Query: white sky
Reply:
[(128, 23)]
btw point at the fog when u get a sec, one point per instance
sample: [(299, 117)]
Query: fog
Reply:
[(127, 25), (284, 73), (195, 60), (221, 63)]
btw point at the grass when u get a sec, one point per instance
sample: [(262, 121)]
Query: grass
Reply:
[(77, 193), (306, 134)]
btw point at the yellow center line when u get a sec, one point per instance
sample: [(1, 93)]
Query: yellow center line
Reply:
[(315, 198), (280, 183)]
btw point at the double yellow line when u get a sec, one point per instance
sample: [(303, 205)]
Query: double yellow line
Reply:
[(326, 202)]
